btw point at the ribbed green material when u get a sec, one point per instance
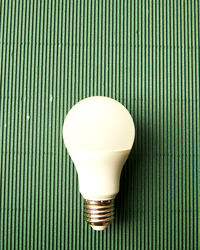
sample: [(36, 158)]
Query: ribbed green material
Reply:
[(144, 54)]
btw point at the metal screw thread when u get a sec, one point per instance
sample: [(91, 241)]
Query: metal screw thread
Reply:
[(99, 213)]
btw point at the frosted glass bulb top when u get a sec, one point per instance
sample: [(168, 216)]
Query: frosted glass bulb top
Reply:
[(98, 123)]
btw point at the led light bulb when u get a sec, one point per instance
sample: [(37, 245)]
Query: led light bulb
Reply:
[(98, 133)]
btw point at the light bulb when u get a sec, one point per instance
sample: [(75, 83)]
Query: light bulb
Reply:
[(98, 133)]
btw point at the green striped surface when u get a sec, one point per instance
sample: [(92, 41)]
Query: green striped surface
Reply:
[(144, 54)]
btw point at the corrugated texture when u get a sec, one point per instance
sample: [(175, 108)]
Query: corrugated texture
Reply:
[(144, 54)]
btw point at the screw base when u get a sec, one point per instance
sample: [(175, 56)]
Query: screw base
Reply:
[(99, 213)]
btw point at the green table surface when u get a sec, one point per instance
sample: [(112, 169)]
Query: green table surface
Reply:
[(144, 54)]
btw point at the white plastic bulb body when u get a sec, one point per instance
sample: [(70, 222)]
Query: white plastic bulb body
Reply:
[(98, 133)]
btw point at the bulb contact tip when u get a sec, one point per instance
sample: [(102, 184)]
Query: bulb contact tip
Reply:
[(99, 213)]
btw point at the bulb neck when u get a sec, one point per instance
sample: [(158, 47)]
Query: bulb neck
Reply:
[(99, 213)]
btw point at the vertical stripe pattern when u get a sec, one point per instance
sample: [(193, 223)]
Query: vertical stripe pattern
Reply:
[(145, 54)]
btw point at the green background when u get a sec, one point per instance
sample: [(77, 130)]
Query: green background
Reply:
[(144, 54)]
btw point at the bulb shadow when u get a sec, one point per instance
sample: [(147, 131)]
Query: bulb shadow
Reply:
[(130, 202)]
